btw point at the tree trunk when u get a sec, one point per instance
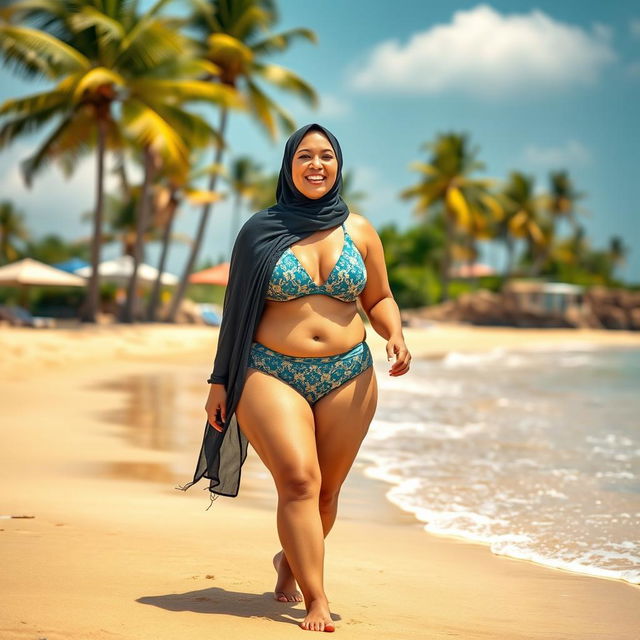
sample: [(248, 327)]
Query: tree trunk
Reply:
[(540, 260), (446, 262), (154, 299), (473, 280), (509, 266), (90, 306), (125, 187), (129, 310), (235, 227), (204, 217)]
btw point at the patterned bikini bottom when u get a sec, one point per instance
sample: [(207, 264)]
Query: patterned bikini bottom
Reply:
[(312, 377)]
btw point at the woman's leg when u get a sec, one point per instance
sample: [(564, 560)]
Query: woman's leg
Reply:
[(342, 419), (278, 422)]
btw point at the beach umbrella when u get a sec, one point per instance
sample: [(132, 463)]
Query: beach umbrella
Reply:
[(119, 271), (27, 272), (213, 275), (71, 265)]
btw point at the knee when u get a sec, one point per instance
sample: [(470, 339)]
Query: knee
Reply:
[(300, 484), (328, 498)]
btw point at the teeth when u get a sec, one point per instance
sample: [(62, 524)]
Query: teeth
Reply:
[(315, 179)]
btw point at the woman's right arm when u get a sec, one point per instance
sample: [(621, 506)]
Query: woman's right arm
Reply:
[(216, 402), (216, 405)]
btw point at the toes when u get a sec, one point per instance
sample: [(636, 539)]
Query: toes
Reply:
[(282, 596), (317, 626)]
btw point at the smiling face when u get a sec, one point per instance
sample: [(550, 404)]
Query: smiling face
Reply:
[(315, 166)]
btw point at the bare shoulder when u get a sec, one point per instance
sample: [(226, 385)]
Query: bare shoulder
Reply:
[(362, 231)]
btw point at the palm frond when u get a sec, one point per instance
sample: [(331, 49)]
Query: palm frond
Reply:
[(95, 79), (149, 129), (108, 28), (31, 51), (282, 41), (34, 112), (264, 109), (287, 80), (178, 91), (148, 44)]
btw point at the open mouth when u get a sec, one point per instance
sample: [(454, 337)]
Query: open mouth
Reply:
[(315, 179)]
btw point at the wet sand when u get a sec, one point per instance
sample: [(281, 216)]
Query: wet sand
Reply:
[(114, 551)]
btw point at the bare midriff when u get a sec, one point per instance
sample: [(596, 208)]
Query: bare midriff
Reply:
[(315, 325)]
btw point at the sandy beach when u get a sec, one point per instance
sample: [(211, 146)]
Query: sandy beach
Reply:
[(109, 549)]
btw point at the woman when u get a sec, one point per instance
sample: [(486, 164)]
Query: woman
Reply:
[(292, 365)]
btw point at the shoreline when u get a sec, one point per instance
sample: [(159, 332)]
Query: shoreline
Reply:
[(106, 539), (25, 350)]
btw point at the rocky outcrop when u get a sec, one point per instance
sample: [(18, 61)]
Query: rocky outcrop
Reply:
[(615, 308), (601, 308)]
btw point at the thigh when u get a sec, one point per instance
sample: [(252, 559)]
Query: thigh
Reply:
[(278, 422), (342, 420)]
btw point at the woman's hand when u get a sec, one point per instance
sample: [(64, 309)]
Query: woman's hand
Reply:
[(217, 400), (396, 347)]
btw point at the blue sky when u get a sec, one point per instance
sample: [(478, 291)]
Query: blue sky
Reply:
[(537, 87)]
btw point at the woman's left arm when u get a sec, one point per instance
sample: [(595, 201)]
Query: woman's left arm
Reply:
[(378, 302)]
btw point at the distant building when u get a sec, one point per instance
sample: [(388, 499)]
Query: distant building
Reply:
[(546, 297), (475, 270)]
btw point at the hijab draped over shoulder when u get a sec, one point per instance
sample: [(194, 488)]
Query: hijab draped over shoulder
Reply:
[(258, 246)]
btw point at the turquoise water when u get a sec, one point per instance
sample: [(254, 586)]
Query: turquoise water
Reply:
[(534, 452)]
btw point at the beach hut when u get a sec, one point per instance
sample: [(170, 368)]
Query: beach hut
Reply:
[(555, 298)]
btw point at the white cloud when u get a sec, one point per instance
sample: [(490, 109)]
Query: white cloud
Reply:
[(634, 27), (570, 154), (485, 53), (53, 204), (331, 106)]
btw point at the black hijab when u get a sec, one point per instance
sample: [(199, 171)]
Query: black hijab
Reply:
[(258, 246)]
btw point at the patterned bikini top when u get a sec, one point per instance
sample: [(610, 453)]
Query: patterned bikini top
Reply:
[(346, 281)]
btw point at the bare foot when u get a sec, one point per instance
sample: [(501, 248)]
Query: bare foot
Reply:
[(318, 617), (285, 590)]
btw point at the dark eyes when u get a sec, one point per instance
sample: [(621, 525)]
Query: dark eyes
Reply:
[(325, 157)]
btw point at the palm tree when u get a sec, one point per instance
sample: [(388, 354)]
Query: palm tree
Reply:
[(264, 194), (169, 194), (446, 181), (102, 53), (350, 195), (119, 219), (617, 251), (524, 213), (563, 197), (560, 203), (12, 229), (232, 37), (484, 212), (502, 231), (242, 180)]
